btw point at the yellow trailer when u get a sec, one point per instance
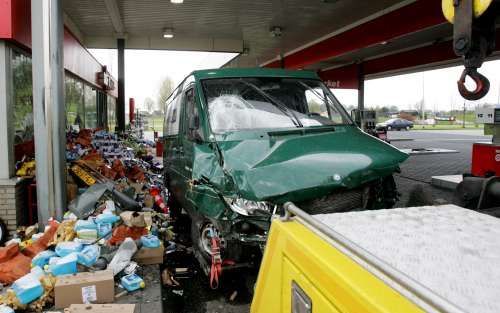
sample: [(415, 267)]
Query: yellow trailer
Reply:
[(426, 259)]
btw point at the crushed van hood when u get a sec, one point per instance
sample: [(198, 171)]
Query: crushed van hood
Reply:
[(294, 166)]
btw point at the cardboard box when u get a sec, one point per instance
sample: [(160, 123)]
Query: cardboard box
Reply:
[(101, 308), (81, 288), (150, 256)]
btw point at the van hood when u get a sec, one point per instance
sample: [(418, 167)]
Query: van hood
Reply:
[(296, 165)]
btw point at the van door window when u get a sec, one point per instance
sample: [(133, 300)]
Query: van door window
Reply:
[(172, 117), (192, 117)]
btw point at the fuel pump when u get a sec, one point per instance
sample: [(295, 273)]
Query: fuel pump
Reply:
[(480, 190)]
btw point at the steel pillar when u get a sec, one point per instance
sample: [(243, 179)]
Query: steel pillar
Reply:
[(120, 104), (48, 107), (361, 93), (6, 123)]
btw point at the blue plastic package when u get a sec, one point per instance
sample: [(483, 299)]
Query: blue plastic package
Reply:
[(150, 241), (106, 218), (37, 272), (132, 282), (85, 224), (27, 288), (88, 256), (65, 265), (67, 247), (42, 258), (104, 229)]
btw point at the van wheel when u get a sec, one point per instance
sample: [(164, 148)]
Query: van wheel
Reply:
[(201, 237), (389, 127), (407, 128)]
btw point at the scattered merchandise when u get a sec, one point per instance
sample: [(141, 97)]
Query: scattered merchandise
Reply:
[(150, 256), (117, 202), (97, 287), (132, 282), (27, 288), (65, 265)]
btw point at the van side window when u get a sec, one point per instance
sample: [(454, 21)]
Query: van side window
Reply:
[(172, 117)]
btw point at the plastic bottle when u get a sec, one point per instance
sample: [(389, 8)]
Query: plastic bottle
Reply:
[(132, 282), (88, 256)]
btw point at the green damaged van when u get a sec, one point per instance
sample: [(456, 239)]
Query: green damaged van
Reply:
[(241, 142)]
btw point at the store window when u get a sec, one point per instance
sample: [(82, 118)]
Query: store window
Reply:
[(111, 104), (22, 97), (75, 115), (90, 107)]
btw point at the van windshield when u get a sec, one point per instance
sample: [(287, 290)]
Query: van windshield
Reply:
[(266, 103)]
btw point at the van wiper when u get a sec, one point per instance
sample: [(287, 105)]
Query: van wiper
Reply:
[(283, 108)]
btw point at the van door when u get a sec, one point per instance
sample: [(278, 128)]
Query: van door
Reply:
[(190, 137), (173, 161)]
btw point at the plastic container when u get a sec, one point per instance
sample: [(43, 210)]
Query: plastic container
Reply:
[(37, 272), (150, 241), (65, 265), (27, 288), (67, 247), (106, 218), (42, 258), (132, 282), (89, 255)]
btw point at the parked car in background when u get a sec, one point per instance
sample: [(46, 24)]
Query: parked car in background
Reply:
[(396, 124)]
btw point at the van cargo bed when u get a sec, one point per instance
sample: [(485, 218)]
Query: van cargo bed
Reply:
[(445, 251)]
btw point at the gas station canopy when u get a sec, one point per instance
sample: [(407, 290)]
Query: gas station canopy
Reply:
[(330, 36)]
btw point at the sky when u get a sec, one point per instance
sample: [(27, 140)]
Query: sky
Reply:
[(145, 69)]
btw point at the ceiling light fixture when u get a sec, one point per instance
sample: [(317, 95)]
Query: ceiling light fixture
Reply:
[(168, 33), (176, 1)]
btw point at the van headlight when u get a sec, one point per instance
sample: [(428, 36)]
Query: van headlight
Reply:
[(248, 207)]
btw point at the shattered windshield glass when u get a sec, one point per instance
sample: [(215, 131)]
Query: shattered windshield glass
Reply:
[(267, 103)]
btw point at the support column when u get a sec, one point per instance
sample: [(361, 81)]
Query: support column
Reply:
[(361, 93), (48, 107), (120, 104), (6, 121)]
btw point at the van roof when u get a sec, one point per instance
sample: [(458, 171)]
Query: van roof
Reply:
[(253, 72)]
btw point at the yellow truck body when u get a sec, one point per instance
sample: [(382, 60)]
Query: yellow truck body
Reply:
[(308, 267)]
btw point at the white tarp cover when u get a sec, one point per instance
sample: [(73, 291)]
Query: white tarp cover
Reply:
[(453, 251)]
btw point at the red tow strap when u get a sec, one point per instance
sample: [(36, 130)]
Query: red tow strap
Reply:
[(216, 268)]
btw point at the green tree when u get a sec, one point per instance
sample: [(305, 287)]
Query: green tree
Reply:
[(166, 88)]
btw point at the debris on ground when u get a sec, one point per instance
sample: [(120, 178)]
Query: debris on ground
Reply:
[(117, 222)]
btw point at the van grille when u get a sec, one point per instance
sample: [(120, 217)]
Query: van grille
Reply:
[(339, 201)]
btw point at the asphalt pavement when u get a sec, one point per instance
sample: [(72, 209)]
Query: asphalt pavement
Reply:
[(417, 171)]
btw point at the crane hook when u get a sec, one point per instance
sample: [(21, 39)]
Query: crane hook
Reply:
[(482, 84)]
